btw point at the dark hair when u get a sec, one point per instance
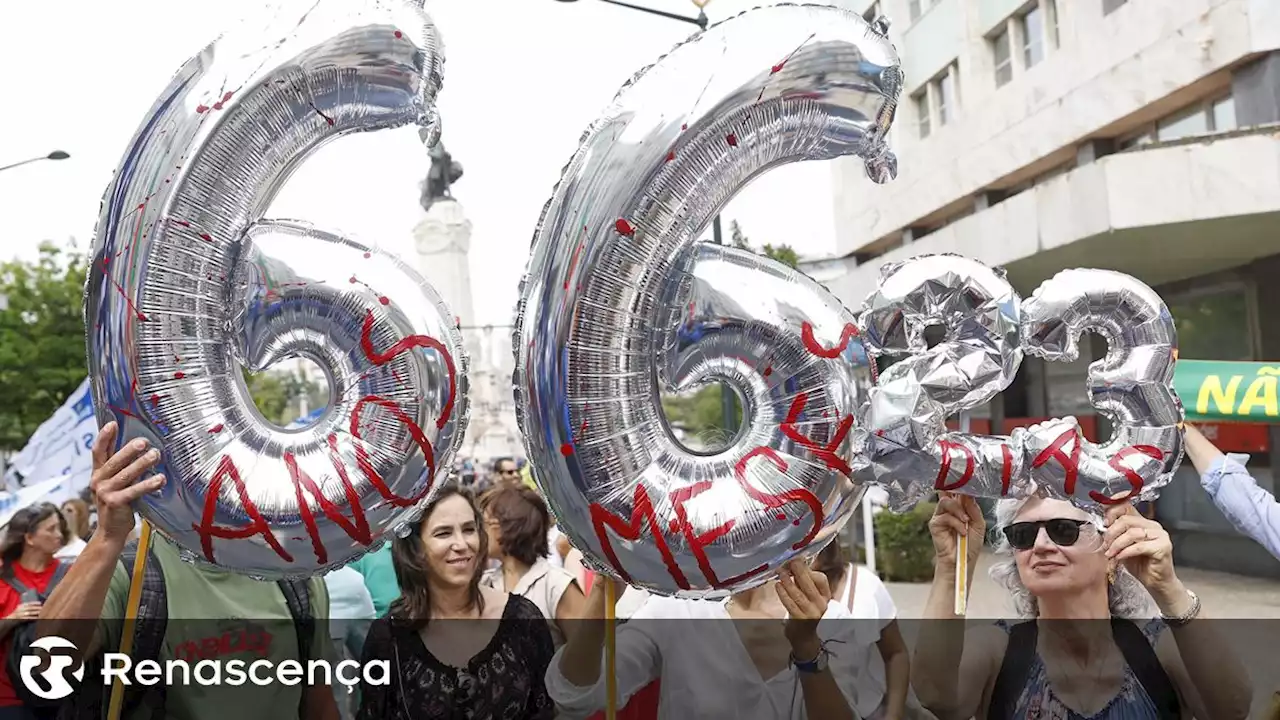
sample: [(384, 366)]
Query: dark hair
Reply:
[(409, 559), (23, 523), (832, 562), (524, 519), (497, 464)]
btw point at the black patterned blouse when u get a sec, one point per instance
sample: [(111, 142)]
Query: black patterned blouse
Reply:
[(504, 681)]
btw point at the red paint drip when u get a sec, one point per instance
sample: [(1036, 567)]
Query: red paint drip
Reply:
[(780, 516), (768, 371), (731, 139), (566, 449), (671, 155), (352, 280), (206, 237), (155, 400), (684, 126), (368, 255), (201, 109), (624, 228), (384, 300), (215, 429), (179, 375), (404, 345), (399, 34)]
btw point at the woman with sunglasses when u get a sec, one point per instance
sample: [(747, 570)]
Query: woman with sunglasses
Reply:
[(456, 648), (1107, 631)]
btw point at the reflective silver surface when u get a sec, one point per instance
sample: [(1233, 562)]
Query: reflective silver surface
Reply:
[(902, 430), (189, 284), (620, 304), (1132, 386)]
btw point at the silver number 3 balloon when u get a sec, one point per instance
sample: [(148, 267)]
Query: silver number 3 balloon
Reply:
[(621, 303), (189, 285)]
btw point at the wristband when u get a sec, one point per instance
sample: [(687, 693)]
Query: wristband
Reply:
[(1186, 617)]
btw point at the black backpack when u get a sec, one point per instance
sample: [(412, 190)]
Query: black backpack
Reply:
[(148, 641), (1137, 652), (21, 637)]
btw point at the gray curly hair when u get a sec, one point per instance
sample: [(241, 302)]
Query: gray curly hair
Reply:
[(1126, 597)]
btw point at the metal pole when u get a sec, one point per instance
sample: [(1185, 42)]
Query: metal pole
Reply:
[(55, 155)]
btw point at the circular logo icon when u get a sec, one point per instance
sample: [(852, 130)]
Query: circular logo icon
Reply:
[(50, 683)]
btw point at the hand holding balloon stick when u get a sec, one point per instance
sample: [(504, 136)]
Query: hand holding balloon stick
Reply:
[(610, 650)]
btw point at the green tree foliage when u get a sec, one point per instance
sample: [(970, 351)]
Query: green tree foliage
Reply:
[(702, 413), (42, 340), (278, 394)]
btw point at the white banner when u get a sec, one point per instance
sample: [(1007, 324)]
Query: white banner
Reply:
[(56, 491), (62, 446)]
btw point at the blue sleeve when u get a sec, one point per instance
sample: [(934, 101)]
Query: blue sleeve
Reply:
[(1252, 510)]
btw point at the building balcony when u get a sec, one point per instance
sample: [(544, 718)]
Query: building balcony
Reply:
[(1160, 212)]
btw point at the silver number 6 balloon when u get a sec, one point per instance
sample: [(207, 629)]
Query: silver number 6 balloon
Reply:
[(189, 285), (620, 303)]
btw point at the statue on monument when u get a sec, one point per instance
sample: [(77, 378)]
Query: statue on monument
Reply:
[(445, 171)]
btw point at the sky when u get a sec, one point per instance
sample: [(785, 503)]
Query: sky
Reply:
[(523, 79)]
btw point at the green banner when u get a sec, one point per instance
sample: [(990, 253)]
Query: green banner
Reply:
[(1228, 391)]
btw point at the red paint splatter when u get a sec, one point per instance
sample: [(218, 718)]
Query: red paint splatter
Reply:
[(179, 375), (352, 280), (811, 343), (457, 321), (768, 371), (404, 345), (384, 300), (780, 516), (566, 449), (399, 34), (200, 109), (732, 139), (671, 155), (206, 237), (368, 255), (684, 126), (155, 400), (624, 228), (183, 223), (216, 429)]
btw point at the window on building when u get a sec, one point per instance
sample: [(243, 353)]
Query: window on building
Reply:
[(1002, 54), (945, 90), (1213, 324), (915, 9), (1110, 6), (1192, 121), (1050, 22), (1032, 26), (921, 102), (1223, 114)]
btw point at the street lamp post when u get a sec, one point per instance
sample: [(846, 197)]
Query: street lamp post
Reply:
[(728, 400), (55, 155)]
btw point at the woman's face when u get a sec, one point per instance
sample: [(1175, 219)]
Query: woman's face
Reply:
[(47, 535), (494, 529), (1048, 568), (451, 539), (72, 515)]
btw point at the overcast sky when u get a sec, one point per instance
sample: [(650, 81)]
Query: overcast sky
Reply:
[(523, 79)]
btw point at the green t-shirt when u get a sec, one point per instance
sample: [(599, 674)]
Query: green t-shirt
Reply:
[(379, 576), (219, 615)]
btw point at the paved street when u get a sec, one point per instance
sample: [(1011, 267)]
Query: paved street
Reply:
[(1251, 607)]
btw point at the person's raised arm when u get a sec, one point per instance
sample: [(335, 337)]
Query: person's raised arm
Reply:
[(949, 678), (1253, 511), (116, 485), (806, 594), (574, 675), (1219, 685), (897, 670)]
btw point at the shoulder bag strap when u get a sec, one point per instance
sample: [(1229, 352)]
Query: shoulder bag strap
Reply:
[(1142, 659)]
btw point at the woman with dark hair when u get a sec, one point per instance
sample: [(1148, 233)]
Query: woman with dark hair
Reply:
[(32, 537), (489, 662), (516, 520), (77, 514), (882, 689)]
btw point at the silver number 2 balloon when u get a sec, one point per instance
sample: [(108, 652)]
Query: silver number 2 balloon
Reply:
[(621, 303), (189, 284)]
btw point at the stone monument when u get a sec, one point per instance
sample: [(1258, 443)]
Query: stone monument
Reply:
[(443, 243)]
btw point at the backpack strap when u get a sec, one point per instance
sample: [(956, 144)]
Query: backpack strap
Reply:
[(297, 595), (6, 575), (1142, 659), (1015, 668)]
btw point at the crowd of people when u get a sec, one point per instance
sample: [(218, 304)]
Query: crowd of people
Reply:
[(484, 610)]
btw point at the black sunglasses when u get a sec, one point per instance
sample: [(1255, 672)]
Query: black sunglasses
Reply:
[(1063, 532)]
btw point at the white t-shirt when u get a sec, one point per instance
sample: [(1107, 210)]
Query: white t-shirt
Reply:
[(553, 557), (543, 585), (704, 669), (873, 609)]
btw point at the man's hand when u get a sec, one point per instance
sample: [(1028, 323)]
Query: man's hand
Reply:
[(116, 485)]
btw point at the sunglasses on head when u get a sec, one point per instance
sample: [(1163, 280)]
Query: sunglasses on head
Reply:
[(1064, 532)]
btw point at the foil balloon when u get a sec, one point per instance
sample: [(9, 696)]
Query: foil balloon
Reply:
[(902, 431), (621, 303), (1132, 386), (190, 286)]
